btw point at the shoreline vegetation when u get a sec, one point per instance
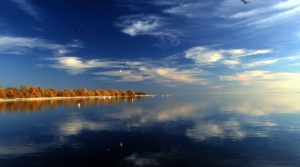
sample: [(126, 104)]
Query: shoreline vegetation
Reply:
[(27, 93)]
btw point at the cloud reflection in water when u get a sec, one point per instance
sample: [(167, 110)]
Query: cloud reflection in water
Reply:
[(224, 117)]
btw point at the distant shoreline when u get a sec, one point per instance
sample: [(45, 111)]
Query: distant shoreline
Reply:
[(63, 98)]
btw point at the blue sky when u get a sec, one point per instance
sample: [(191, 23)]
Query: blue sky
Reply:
[(157, 46)]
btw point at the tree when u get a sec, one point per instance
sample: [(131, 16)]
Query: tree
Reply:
[(2, 93), (130, 93), (12, 93), (25, 91), (35, 92), (49, 93)]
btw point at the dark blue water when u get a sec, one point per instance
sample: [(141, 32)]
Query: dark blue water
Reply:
[(205, 130)]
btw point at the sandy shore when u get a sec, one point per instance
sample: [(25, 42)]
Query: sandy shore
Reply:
[(62, 98)]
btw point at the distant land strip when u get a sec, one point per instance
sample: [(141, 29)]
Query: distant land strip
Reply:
[(38, 93)]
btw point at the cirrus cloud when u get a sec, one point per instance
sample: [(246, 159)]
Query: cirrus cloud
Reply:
[(27, 6), (23, 45), (150, 25), (230, 57)]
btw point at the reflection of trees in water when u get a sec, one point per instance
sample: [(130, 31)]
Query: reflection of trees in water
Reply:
[(39, 105)]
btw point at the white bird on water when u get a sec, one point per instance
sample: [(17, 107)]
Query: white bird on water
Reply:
[(78, 105)]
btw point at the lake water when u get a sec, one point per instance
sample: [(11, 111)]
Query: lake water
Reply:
[(203, 130)]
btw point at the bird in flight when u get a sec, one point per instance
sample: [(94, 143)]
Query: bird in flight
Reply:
[(245, 2)]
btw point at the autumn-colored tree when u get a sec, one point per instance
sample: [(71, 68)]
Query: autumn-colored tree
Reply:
[(49, 93), (130, 93), (97, 92), (72, 92), (25, 91), (12, 93), (82, 92), (53, 92), (35, 92), (140, 93), (68, 93), (2, 93)]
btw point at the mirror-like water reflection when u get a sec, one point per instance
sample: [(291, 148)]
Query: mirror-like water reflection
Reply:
[(39, 105), (204, 130)]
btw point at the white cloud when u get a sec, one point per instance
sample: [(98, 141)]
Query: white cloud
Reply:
[(286, 4), (270, 61), (250, 13), (231, 63), (261, 63), (291, 58), (170, 75), (123, 75), (26, 6), (158, 74), (274, 81), (203, 55), (230, 57), (277, 17), (77, 65), (22, 45), (280, 7), (237, 53), (129, 71), (141, 25), (151, 25), (189, 9), (296, 64), (233, 58), (266, 16), (169, 71), (173, 74)]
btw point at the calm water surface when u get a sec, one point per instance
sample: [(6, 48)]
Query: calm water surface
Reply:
[(204, 130)]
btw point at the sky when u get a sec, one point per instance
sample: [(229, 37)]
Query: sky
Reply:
[(158, 46)]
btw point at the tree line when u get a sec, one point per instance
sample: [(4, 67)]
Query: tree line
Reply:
[(35, 92)]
